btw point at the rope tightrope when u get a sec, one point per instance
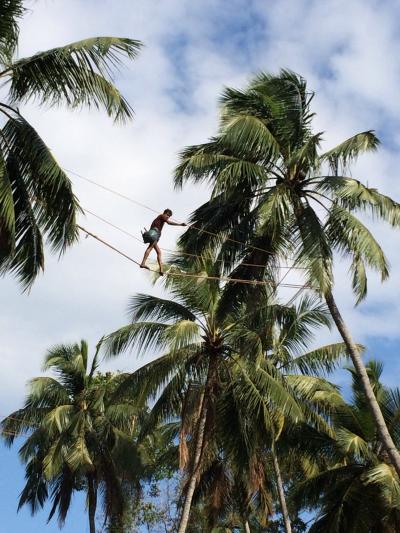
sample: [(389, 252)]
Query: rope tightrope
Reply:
[(187, 275)]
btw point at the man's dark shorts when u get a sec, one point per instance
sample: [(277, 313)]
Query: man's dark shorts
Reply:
[(151, 236)]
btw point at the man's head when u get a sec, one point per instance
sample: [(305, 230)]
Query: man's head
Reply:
[(168, 212)]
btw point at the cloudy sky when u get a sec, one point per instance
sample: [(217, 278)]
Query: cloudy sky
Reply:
[(348, 51)]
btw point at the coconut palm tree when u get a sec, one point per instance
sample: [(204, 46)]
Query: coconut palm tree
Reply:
[(281, 336), (36, 197), (274, 190), (217, 377), (78, 437), (359, 490), (188, 379)]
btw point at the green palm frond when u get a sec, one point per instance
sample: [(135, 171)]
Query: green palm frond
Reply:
[(42, 202), (246, 134), (346, 152), (275, 211), (145, 307), (169, 404), (306, 157), (182, 334), (78, 456), (352, 444), (314, 251), (324, 359), (53, 202), (58, 419), (35, 492), (26, 258), (146, 382), (46, 392), (7, 211), (350, 237), (198, 161), (61, 494), (384, 476), (143, 335), (77, 74), (10, 13), (263, 391), (351, 194)]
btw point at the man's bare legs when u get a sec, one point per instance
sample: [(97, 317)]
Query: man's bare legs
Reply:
[(146, 255), (159, 258), (152, 246)]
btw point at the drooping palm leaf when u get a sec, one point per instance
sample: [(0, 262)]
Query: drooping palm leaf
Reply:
[(10, 13), (77, 74)]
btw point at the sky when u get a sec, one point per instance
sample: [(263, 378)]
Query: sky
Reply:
[(347, 50)]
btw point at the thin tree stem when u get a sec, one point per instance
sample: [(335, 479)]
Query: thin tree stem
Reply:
[(246, 526), (358, 363), (281, 492), (92, 503), (184, 521)]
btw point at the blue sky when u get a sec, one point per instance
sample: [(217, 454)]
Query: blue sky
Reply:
[(347, 49)]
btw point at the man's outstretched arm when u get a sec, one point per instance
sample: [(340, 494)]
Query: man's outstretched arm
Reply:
[(170, 223)]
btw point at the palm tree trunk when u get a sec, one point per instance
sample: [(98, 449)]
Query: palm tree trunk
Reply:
[(92, 503), (358, 363), (184, 521), (281, 492), (246, 526)]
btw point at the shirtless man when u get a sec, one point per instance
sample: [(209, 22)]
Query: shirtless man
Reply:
[(153, 236)]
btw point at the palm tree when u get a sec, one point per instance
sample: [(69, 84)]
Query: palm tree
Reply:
[(359, 490), (36, 198), (280, 336), (220, 397), (188, 379), (77, 436), (273, 189)]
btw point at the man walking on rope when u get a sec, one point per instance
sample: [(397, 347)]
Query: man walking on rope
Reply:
[(153, 236)]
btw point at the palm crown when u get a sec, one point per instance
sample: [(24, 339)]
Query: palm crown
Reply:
[(36, 197), (274, 189), (78, 435)]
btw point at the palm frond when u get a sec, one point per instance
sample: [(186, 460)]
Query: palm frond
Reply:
[(324, 359), (10, 13), (143, 335), (26, 258), (247, 134), (7, 211), (50, 191), (314, 252), (346, 152), (350, 237), (145, 307), (386, 479), (182, 334), (351, 194), (77, 74), (46, 392)]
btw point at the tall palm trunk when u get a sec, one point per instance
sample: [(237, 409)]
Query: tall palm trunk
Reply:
[(281, 492), (92, 503), (246, 526), (358, 363), (184, 521)]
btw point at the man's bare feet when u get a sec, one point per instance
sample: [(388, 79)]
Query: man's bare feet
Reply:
[(144, 266), (161, 272)]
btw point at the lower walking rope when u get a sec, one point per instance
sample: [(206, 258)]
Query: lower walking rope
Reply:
[(198, 276)]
